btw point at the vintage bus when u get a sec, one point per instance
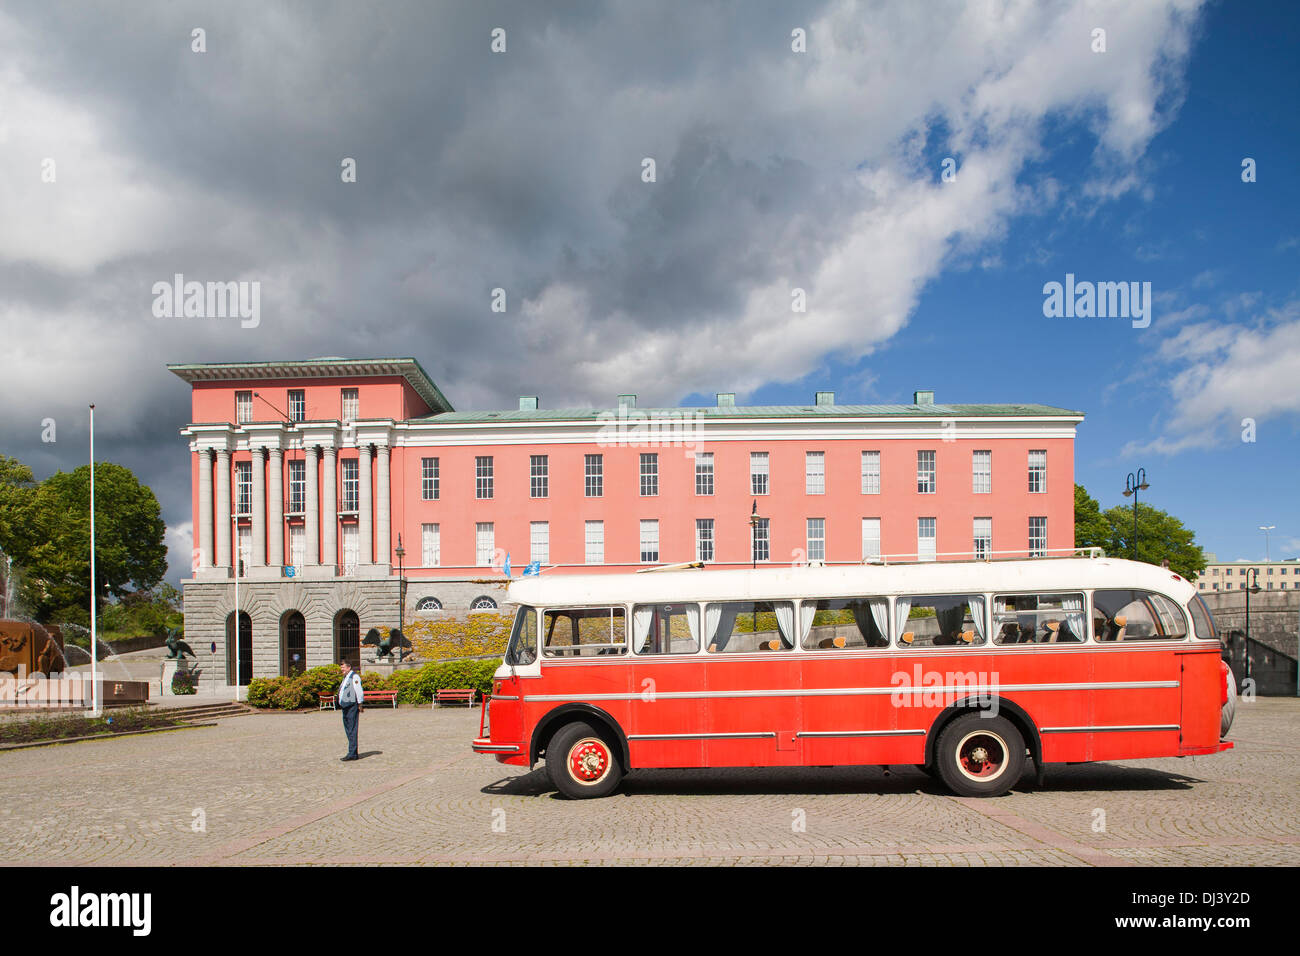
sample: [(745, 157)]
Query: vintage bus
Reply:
[(966, 669)]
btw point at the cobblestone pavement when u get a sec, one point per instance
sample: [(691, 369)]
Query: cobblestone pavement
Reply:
[(269, 789)]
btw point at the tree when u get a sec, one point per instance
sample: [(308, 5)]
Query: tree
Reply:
[(1161, 536), (46, 530), (1091, 530)]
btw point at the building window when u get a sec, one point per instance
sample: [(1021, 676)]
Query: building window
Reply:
[(816, 539), (871, 472), (983, 538), (703, 539), (925, 483), (245, 549), (595, 542), (351, 405), (243, 407), (649, 541), (539, 542), (483, 476), (814, 472), (243, 487), (870, 539), (297, 487), (758, 472), (1037, 537), (482, 603), (351, 548), (351, 486), (297, 545), (981, 464), (1037, 472), (704, 472), (430, 545), (649, 475), (539, 476), (429, 604), (926, 536), (297, 405), (759, 542), (485, 543), (594, 485), (429, 479)]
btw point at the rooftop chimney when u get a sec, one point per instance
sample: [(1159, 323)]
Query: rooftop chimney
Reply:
[(923, 398), (528, 403), (627, 401), (825, 398), (726, 399)]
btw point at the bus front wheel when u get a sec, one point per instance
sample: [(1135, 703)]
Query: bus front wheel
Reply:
[(980, 756), (581, 763)]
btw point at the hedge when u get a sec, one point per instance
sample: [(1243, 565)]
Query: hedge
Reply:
[(413, 686)]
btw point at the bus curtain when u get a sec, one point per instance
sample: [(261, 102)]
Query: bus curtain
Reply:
[(977, 614), (1073, 608)]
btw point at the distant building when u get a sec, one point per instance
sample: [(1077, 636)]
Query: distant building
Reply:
[(314, 470), (1231, 575)]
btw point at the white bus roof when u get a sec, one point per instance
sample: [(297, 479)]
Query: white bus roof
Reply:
[(774, 583)]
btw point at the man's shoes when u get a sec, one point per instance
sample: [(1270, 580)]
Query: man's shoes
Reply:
[(347, 758)]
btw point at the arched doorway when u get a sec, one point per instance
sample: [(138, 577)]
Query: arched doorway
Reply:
[(293, 644), (347, 638), (245, 648)]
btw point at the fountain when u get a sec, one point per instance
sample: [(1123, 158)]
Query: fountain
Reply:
[(37, 660)]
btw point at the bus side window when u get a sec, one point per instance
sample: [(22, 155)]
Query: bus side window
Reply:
[(749, 627), (1039, 618), (666, 628), (940, 620), (584, 632), (1124, 614), (837, 623)]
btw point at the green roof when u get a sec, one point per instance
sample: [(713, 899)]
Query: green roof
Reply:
[(756, 411)]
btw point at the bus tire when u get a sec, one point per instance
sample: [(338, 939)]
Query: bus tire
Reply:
[(1230, 705), (979, 756), (581, 763)]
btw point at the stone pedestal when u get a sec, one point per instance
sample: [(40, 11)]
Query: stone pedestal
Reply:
[(387, 665), (169, 669)]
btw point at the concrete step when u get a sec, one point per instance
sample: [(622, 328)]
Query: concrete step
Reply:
[(214, 711)]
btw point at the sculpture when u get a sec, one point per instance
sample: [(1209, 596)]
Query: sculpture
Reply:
[(384, 646), (29, 647), (177, 648)]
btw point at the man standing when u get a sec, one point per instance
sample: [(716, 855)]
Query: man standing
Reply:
[(350, 697)]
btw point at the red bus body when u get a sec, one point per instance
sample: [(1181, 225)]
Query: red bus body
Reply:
[(1073, 702)]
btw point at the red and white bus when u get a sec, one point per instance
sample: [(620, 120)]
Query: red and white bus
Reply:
[(964, 669)]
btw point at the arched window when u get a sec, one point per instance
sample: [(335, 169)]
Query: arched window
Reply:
[(293, 644), (429, 604), (347, 638), (482, 603), (245, 669)]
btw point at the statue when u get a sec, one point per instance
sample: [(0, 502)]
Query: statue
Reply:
[(395, 639), (176, 648), (29, 647)]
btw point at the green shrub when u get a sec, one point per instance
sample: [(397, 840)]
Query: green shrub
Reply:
[(183, 683), (413, 686), (259, 691), (373, 680)]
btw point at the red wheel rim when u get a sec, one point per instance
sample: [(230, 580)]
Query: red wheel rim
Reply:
[(588, 760), (981, 756)]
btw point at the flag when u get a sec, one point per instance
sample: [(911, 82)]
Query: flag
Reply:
[(506, 566), (534, 567)]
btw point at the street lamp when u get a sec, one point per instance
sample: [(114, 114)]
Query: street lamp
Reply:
[(1251, 587), (754, 519), (1266, 528), (1135, 484)]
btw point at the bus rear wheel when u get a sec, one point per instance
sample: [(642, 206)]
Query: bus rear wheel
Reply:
[(979, 756), (582, 763)]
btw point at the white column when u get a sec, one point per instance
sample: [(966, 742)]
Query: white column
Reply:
[(365, 526), (223, 508), (275, 510), (383, 547), (312, 529), (259, 509), (329, 521), (205, 509)]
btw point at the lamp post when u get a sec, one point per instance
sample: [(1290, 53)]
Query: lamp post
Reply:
[(1266, 528), (1252, 586), (96, 703), (401, 589), (1136, 482), (753, 532)]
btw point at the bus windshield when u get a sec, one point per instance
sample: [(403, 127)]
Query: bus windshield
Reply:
[(523, 638)]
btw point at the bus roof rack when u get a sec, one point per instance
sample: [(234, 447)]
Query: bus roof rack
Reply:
[(680, 566)]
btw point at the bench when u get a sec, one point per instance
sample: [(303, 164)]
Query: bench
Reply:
[(330, 701), (458, 695)]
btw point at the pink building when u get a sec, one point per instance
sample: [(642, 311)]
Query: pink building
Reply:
[(315, 471)]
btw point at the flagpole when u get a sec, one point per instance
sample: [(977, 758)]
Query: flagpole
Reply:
[(96, 705)]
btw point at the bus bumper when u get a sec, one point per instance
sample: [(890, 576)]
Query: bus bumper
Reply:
[(505, 753), (1221, 746)]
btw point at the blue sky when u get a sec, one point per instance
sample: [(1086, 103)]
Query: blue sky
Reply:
[(1220, 254)]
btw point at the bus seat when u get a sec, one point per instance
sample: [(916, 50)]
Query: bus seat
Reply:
[(713, 648), (1054, 629), (968, 637), (1121, 622), (828, 642), (769, 645), (907, 637)]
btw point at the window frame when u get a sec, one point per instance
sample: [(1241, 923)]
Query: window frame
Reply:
[(814, 478), (704, 474)]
